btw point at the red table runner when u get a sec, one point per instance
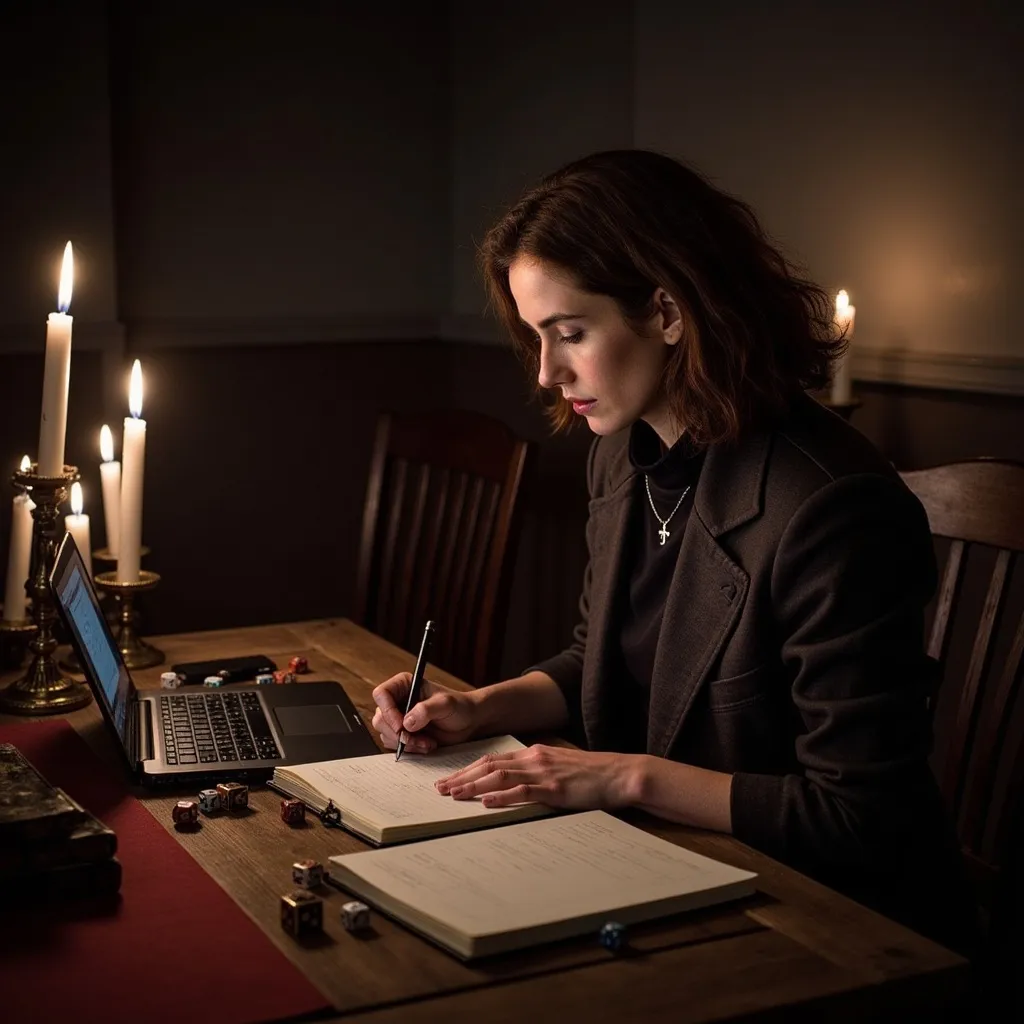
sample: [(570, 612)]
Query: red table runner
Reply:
[(175, 948)]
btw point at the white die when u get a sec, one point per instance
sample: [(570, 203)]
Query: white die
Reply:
[(355, 916), (170, 680), (308, 873), (209, 801)]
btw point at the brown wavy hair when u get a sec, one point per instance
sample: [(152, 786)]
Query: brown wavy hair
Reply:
[(626, 222)]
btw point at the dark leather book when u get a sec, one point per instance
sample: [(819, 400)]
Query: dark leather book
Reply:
[(90, 841), (30, 808), (73, 881)]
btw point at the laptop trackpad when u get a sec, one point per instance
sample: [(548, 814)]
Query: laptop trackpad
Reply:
[(311, 719)]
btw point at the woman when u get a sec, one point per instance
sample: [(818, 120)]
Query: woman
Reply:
[(749, 655)]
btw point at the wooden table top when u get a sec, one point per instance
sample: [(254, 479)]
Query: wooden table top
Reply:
[(796, 943)]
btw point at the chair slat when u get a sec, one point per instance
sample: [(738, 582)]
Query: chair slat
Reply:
[(462, 558), (949, 594), (970, 697), (1009, 773), (396, 501), (423, 606), (411, 542), (480, 548)]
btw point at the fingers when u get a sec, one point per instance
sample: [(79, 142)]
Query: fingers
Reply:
[(431, 709), (499, 780), (387, 697), (415, 744), (477, 770)]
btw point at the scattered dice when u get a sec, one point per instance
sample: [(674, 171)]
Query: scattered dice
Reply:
[(233, 796), (209, 801), (170, 680), (213, 681), (355, 916), (281, 676), (331, 815), (265, 679), (298, 665), (612, 936), (302, 913), (293, 811), (185, 812), (308, 873)]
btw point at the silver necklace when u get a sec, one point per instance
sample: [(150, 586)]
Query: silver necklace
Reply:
[(663, 533)]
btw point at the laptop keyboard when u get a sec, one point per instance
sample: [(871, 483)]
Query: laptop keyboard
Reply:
[(204, 728)]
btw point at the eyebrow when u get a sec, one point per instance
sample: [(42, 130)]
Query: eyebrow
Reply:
[(555, 318)]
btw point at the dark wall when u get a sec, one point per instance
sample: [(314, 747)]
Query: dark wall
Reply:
[(275, 207)]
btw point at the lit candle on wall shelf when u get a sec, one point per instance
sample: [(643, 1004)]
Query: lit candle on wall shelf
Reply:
[(77, 524), (110, 476), (20, 554), (133, 455), (53, 419), (842, 392)]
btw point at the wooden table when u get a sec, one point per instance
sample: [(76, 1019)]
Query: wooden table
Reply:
[(797, 949)]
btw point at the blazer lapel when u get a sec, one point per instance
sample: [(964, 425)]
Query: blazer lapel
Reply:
[(708, 588), (609, 520)]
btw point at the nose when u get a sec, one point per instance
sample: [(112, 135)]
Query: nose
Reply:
[(553, 370)]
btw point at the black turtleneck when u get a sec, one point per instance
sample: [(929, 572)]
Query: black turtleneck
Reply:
[(648, 565)]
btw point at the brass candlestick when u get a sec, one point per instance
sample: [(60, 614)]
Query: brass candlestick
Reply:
[(111, 612), (135, 651), (44, 689)]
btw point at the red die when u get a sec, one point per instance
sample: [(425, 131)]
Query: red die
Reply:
[(284, 677), (293, 812), (298, 665), (185, 812)]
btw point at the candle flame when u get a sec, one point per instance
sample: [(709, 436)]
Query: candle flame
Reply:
[(842, 301), (76, 498), (26, 464), (67, 274), (135, 390), (106, 444)]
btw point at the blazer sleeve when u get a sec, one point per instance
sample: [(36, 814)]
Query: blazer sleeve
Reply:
[(852, 575), (566, 668)]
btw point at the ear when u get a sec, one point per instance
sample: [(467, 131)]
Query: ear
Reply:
[(668, 318)]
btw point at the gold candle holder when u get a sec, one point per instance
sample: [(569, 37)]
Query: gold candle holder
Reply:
[(111, 612), (44, 689), (135, 651)]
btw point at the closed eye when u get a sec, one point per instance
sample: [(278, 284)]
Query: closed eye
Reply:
[(571, 339)]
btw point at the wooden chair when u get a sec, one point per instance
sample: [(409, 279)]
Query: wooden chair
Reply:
[(981, 774), (440, 529)]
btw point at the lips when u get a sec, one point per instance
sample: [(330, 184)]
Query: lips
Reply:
[(582, 406)]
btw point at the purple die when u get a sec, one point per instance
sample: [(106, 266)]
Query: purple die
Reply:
[(302, 913), (308, 873)]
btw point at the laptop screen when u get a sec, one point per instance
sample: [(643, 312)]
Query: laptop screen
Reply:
[(96, 646)]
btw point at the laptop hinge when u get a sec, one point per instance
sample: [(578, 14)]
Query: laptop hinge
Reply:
[(142, 741)]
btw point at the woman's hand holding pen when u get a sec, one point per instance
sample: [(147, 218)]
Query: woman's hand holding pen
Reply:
[(556, 776), (441, 717)]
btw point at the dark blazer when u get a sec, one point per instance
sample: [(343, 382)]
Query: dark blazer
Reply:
[(790, 653)]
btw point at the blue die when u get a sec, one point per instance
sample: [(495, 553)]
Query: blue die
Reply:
[(612, 935), (265, 679), (213, 681)]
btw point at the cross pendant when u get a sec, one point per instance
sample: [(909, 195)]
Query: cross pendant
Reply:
[(663, 534)]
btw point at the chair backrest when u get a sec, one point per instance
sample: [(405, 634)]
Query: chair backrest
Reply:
[(440, 528), (982, 772)]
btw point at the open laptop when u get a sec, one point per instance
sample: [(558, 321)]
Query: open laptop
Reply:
[(176, 736)]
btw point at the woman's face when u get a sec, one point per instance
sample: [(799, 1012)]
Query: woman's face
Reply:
[(611, 374)]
